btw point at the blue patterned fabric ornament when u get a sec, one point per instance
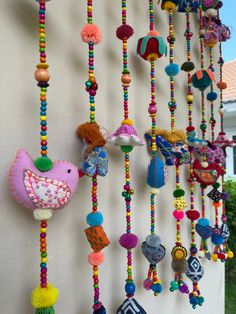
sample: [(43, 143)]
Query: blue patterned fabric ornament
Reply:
[(130, 306), (225, 232), (192, 5), (217, 238), (195, 270), (153, 254), (96, 162), (205, 232), (157, 173), (102, 310)]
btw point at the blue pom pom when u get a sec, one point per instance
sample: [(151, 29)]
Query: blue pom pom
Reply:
[(130, 288), (172, 69), (157, 288), (217, 239), (193, 300), (204, 222), (212, 96), (94, 219)]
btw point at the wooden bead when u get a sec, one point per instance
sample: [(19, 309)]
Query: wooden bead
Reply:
[(126, 78), (42, 75)]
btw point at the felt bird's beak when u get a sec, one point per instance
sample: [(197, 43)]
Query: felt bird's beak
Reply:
[(80, 172)]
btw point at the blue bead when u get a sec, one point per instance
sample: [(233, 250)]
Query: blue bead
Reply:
[(193, 300), (212, 96), (44, 147), (157, 288), (94, 219), (44, 103), (43, 113), (43, 265), (43, 133), (43, 123), (130, 288)]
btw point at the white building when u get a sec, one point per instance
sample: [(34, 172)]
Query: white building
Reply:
[(229, 98)]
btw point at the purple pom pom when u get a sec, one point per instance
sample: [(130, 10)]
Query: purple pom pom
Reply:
[(225, 196), (124, 31), (128, 240), (147, 284)]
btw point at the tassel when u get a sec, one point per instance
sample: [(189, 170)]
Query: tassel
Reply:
[(46, 310)]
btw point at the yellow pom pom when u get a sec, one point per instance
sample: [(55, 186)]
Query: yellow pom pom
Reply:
[(169, 5), (127, 121), (44, 297), (230, 254), (214, 257)]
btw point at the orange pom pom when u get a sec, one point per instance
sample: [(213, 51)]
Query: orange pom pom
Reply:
[(96, 258)]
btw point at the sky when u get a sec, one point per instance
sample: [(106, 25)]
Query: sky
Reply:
[(228, 17)]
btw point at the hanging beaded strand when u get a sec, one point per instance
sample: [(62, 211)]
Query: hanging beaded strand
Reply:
[(127, 138), (195, 271), (150, 48), (89, 133), (179, 253)]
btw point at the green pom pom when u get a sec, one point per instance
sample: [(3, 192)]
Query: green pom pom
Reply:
[(216, 185), (43, 164), (46, 310), (200, 300), (126, 149), (178, 193)]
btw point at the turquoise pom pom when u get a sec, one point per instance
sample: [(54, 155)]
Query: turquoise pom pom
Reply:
[(94, 219), (172, 69), (204, 222)]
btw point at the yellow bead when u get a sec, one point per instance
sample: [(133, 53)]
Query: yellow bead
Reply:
[(127, 121), (42, 35), (43, 230), (189, 98), (95, 272), (44, 260), (230, 254), (43, 137), (214, 257), (43, 118)]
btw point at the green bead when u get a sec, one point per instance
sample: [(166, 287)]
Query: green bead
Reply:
[(203, 127), (124, 194), (170, 103), (126, 149), (178, 193), (200, 300), (88, 83), (43, 164), (44, 255), (216, 185), (174, 285)]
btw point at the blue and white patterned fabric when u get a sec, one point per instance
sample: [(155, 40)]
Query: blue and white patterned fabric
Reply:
[(96, 162), (192, 4), (195, 270), (130, 306)]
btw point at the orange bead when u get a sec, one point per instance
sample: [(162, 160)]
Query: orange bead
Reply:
[(126, 79), (43, 152), (42, 75), (43, 60), (216, 204)]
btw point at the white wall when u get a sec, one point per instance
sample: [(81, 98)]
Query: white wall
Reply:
[(68, 107)]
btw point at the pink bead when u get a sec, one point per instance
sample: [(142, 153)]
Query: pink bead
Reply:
[(152, 109), (97, 306), (147, 284), (92, 92)]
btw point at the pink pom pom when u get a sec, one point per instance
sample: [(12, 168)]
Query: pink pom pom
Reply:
[(96, 258), (153, 33), (91, 32)]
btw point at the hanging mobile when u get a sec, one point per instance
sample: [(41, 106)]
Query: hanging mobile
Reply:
[(94, 160), (127, 138), (151, 48), (41, 185), (195, 270)]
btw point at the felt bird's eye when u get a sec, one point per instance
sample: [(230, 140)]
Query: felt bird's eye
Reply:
[(69, 170)]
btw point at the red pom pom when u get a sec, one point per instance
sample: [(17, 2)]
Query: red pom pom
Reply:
[(91, 32), (124, 31), (193, 214), (96, 258), (190, 128)]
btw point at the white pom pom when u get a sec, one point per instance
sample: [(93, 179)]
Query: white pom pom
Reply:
[(221, 111), (154, 191), (204, 164), (201, 254), (211, 12)]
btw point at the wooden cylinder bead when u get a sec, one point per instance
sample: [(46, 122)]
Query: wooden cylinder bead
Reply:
[(42, 75)]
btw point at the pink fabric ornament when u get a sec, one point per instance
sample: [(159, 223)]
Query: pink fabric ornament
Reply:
[(44, 190), (178, 214), (91, 33)]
